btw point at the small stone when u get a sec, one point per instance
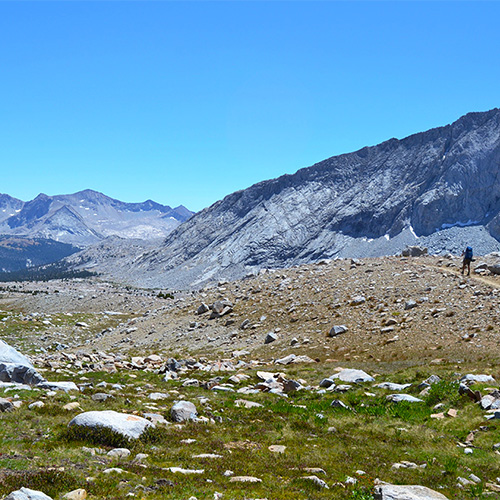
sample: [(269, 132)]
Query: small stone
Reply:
[(79, 494), (72, 406), (277, 448), (245, 479), (6, 405), (270, 337), (183, 411), (337, 330), (358, 300), (397, 398), (180, 470), (119, 453), (113, 470), (317, 481), (410, 304), (36, 404), (202, 309), (101, 397)]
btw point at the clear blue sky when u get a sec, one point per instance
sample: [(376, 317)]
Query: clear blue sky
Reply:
[(186, 102)]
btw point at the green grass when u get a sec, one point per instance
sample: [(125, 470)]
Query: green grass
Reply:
[(44, 453)]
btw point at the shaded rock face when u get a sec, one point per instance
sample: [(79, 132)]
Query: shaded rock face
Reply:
[(15, 367), (371, 202)]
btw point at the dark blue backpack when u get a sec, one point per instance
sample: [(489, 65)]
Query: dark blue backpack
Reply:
[(468, 253)]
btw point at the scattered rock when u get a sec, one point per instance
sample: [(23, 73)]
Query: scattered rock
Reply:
[(398, 398), (79, 494), (337, 330), (478, 379), (317, 481), (6, 405), (245, 479), (270, 337), (414, 251), (277, 448), (183, 411), (119, 453), (393, 387)]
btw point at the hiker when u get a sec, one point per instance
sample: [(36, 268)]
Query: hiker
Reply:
[(467, 254)]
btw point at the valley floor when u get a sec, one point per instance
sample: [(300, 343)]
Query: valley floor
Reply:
[(258, 358)]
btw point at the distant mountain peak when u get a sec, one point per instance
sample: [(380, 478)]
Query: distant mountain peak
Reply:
[(85, 217)]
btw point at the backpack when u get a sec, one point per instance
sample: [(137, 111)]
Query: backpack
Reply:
[(468, 253)]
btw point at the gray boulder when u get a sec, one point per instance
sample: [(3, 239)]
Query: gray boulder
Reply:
[(478, 379), (6, 405), (202, 309), (410, 304), (183, 411), (351, 375), (494, 268), (414, 251), (9, 355), (270, 337), (27, 494), (326, 382), (402, 492), (60, 386), (130, 426), (393, 387), (15, 367), (337, 330), (20, 374)]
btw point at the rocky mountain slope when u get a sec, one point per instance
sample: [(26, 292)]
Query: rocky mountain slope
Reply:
[(21, 253), (87, 217), (9, 206), (439, 188)]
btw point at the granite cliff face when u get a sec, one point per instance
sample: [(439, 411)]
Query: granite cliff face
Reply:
[(440, 188)]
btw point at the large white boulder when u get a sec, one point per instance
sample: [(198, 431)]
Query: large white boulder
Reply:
[(9, 355), (15, 367), (130, 426), (351, 375), (402, 492), (27, 494)]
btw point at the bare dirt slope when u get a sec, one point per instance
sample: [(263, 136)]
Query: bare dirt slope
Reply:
[(395, 310)]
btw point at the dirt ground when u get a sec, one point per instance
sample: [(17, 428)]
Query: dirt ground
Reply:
[(396, 310)]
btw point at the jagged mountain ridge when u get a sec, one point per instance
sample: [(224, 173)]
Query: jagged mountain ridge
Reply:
[(439, 188), (9, 206), (87, 217)]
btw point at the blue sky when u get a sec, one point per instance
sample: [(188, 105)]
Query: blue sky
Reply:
[(186, 102)]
